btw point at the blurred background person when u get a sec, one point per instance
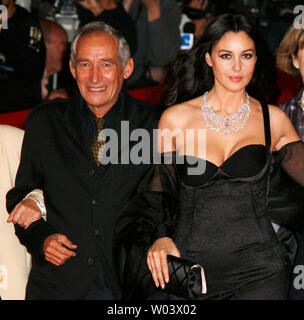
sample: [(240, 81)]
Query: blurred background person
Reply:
[(273, 16), (290, 59), (111, 13), (198, 13), (158, 39), (22, 60), (56, 41), (26, 4), (44, 8)]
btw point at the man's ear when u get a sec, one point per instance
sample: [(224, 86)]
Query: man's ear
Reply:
[(72, 69), (208, 59), (128, 70)]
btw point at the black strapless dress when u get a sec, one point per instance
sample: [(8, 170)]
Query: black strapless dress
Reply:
[(217, 219), (222, 225)]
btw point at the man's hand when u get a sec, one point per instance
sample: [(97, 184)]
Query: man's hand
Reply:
[(97, 6), (56, 250), (25, 213)]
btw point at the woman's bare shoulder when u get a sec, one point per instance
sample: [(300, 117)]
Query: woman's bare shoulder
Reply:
[(177, 115), (277, 115)]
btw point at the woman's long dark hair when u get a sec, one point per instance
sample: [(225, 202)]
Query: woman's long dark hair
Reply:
[(191, 76)]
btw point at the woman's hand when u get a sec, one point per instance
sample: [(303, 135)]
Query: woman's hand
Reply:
[(157, 260), (25, 213)]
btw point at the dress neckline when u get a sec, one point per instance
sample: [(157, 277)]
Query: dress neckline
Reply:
[(229, 158)]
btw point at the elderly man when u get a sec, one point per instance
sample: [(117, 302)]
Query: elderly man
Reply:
[(73, 249)]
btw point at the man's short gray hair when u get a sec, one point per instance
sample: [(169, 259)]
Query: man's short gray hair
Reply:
[(124, 53)]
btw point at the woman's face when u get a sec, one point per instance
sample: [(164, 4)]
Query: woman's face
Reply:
[(298, 61), (233, 60)]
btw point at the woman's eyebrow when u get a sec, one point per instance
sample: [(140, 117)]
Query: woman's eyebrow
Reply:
[(229, 51)]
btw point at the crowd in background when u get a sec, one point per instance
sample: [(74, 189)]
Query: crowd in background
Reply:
[(42, 31)]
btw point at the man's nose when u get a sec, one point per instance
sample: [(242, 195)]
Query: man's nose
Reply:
[(95, 75)]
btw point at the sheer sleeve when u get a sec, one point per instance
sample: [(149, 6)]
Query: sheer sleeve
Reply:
[(150, 215), (285, 198), (292, 160)]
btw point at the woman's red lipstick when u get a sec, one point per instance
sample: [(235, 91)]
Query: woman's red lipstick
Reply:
[(235, 78)]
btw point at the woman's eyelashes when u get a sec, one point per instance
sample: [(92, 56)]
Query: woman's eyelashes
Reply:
[(247, 55), (227, 56)]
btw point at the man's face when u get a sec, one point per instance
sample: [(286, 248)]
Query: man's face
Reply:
[(56, 50), (98, 70)]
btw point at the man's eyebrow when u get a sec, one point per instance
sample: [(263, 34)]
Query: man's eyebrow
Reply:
[(82, 60), (103, 60), (107, 60)]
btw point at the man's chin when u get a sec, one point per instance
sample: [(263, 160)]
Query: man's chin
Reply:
[(96, 105)]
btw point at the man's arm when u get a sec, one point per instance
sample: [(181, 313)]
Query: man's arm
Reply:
[(40, 238), (28, 178)]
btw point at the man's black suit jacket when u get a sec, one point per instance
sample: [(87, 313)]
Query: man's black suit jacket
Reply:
[(82, 200)]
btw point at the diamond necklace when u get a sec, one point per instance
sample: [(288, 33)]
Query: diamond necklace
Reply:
[(235, 121)]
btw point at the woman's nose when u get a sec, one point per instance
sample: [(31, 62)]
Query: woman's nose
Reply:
[(237, 65)]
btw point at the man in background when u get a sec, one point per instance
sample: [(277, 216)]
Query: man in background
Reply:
[(56, 41), (22, 60)]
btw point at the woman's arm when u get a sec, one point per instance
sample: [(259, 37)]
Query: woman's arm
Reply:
[(288, 144), (282, 130), (144, 232)]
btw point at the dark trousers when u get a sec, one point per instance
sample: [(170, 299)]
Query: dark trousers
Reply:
[(100, 289)]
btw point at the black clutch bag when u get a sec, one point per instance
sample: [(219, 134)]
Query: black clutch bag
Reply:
[(186, 280)]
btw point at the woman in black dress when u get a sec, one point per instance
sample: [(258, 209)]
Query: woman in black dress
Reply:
[(215, 216)]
